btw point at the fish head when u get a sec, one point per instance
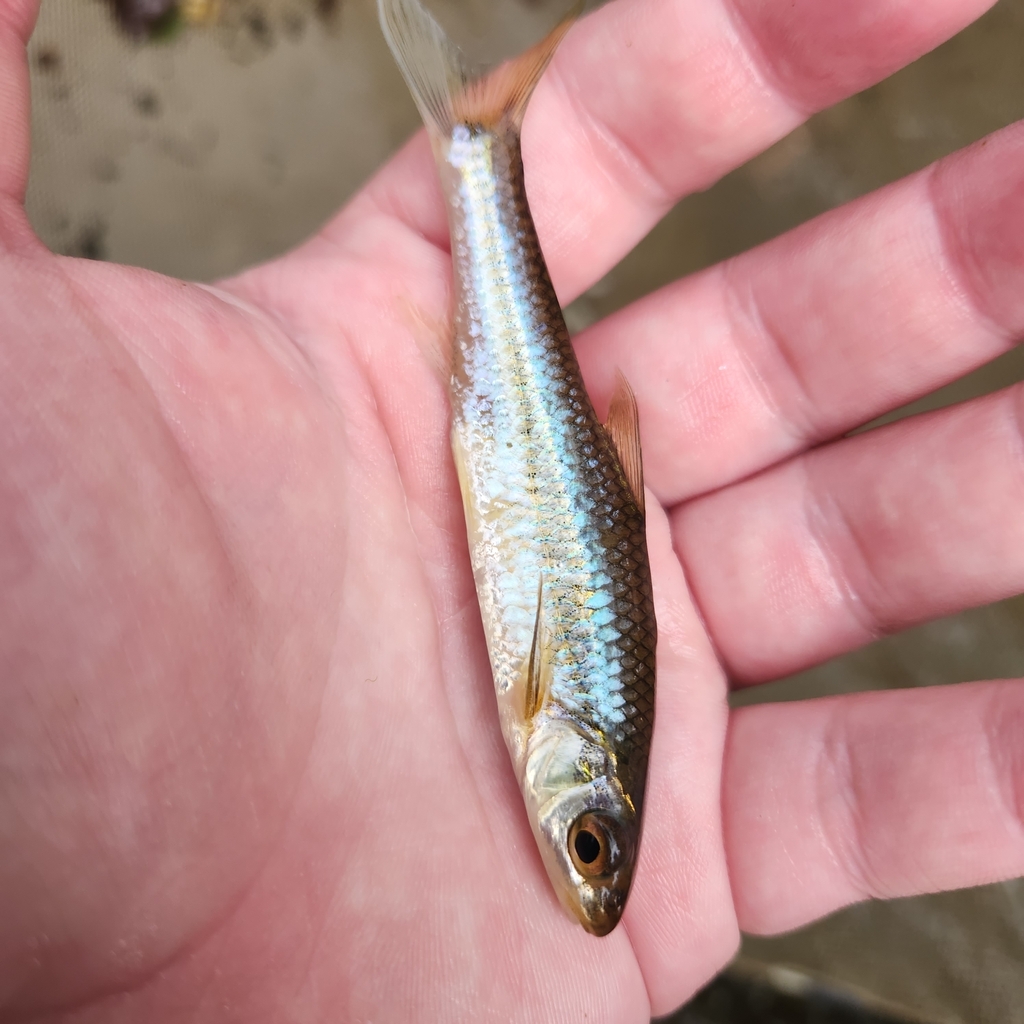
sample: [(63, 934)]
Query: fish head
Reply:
[(586, 826)]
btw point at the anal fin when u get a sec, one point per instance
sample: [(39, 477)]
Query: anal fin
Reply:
[(434, 338), (623, 427)]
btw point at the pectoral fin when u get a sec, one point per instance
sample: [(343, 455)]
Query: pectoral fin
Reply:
[(536, 676), (623, 426)]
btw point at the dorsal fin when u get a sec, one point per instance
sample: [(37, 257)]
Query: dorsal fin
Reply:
[(439, 80), (623, 426)]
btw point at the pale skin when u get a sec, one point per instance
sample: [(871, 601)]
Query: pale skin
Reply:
[(250, 767)]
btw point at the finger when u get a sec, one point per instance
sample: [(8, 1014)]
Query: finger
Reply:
[(16, 20), (861, 538), (826, 327), (648, 101), (678, 919), (880, 794)]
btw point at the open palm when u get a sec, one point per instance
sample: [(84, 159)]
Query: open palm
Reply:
[(250, 766)]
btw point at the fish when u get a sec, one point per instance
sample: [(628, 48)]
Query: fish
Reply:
[(553, 497)]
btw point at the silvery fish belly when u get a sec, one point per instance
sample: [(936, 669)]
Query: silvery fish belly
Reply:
[(553, 498)]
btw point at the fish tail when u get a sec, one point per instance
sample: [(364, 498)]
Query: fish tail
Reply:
[(445, 91)]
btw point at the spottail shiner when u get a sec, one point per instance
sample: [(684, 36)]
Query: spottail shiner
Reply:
[(554, 499)]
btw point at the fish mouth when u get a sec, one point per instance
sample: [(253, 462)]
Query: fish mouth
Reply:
[(603, 914), (600, 928)]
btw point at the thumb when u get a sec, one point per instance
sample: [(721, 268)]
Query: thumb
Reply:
[(17, 18)]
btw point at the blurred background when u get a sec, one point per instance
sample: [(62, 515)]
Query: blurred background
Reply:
[(195, 137)]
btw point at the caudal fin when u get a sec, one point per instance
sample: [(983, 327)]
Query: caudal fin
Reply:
[(439, 80)]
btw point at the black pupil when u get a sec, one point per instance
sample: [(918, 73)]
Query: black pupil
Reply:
[(588, 846)]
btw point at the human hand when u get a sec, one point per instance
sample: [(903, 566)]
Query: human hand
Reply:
[(250, 767)]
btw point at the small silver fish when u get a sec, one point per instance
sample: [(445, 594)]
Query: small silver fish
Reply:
[(554, 500)]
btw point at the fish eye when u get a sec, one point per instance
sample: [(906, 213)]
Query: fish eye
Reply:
[(596, 845)]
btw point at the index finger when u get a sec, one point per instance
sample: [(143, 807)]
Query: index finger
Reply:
[(648, 100)]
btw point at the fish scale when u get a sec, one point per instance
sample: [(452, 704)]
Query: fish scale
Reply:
[(522, 418)]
